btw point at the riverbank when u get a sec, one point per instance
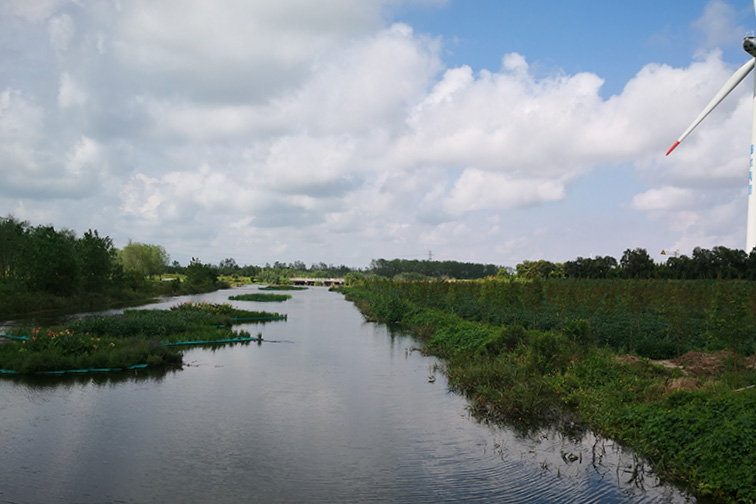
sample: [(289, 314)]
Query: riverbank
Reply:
[(688, 421)]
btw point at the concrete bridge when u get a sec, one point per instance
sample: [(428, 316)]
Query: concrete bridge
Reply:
[(316, 281)]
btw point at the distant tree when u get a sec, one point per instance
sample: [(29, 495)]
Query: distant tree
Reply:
[(96, 259), (599, 267), (12, 237), (147, 260), (729, 264), (680, 267), (48, 261), (228, 266), (200, 277), (538, 269), (637, 264), (703, 263)]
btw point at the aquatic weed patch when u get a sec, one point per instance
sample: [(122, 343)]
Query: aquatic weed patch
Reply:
[(261, 297), (136, 337), (283, 287), (226, 313), (48, 351)]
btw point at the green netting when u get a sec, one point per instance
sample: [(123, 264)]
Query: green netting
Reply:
[(280, 317), (210, 342), (10, 336), (78, 371)]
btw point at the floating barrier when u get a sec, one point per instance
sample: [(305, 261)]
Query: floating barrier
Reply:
[(20, 338), (237, 319), (77, 371), (210, 342)]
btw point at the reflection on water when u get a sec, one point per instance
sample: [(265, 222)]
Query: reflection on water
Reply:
[(343, 412)]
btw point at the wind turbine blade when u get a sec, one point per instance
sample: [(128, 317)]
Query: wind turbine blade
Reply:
[(733, 81)]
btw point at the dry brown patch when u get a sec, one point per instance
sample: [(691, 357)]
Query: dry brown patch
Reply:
[(628, 359), (704, 364), (684, 383)]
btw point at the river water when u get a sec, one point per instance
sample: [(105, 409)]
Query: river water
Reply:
[(332, 409)]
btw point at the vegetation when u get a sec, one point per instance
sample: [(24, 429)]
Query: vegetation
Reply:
[(136, 338), (431, 269), (42, 268), (283, 287), (590, 356), (260, 297)]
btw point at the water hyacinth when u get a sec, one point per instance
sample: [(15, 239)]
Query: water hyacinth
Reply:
[(136, 337)]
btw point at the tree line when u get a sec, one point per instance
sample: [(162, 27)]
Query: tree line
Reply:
[(412, 268), (719, 263), (44, 268)]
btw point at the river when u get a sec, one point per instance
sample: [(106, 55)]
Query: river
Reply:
[(331, 409)]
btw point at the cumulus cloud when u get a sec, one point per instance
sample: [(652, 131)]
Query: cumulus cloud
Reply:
[(260, 48), (664, 198)]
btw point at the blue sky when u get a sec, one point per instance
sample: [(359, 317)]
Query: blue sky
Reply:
[(341, 131), (613, 39)]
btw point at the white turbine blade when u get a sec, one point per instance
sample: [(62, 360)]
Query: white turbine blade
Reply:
[(738, 76)]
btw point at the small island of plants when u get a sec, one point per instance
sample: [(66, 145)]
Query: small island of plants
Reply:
[(136, 338), (283, 287), (259, 296)]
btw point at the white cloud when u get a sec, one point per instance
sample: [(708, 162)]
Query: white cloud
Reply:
[(70, 94), (84, 157), (61, 30), (664, 198), (261, 48), (477, 190)]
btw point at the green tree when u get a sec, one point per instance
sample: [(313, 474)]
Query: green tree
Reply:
[(12, 237), (228, 266), (145, 259), (637, 264), (200, 277), (48, 263), (96, 260)]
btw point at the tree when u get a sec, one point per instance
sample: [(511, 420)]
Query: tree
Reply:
[(228, 266), (201, 277), (540, 268), (637, 264), (96, 260), (48, 261), (12, 236), (145, 259)]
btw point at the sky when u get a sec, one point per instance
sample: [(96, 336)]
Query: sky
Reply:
[(342, 131)]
